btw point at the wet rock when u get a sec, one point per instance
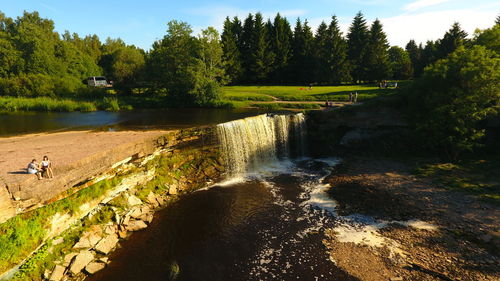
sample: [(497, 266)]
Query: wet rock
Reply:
[(57, 273), (104, 260), (81, 261), (136, 225), (107, 244), (93, 267)]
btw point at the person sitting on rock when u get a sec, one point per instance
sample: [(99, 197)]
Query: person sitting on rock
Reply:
[(33, 169), (47, 167)]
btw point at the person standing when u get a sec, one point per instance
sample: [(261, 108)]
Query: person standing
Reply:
[(350, 97), (356, 97)]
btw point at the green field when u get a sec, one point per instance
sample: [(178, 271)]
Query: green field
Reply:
[(266, 96)]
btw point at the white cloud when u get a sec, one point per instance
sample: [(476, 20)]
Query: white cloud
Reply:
[(432, 25), (419, 4)]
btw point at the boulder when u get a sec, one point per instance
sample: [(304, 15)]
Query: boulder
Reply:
[(122, 234), (68, 258), (107, 244), (80, 262), (89, 238), (132, 200), (93, 267), (172, 190), (152, 199), (160, 201), (57, 273), (110, 229), (136, 225)]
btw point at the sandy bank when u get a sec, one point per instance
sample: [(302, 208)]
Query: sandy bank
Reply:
[(75, 155)]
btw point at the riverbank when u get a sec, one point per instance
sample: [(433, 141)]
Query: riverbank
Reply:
[(452, 235)]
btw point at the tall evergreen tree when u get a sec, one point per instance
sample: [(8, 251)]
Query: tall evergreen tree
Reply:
[(337, 61), (453, 38), (246, 46), (303, 59), (429, 53), (322, 43), (231, 53), (415, 53), (378, 66), (281, 40), (357, 41), (261, 56)]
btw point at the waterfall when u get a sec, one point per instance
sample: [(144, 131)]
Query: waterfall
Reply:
[(249, 143)]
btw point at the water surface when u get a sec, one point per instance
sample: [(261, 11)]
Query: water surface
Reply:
[(175, 118)]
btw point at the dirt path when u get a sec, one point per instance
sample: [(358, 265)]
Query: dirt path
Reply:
[(452, 236)]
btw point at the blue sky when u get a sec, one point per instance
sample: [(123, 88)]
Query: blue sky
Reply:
[(141, 22)]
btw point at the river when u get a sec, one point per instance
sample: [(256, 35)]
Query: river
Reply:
[(174, 118), (265, 222)]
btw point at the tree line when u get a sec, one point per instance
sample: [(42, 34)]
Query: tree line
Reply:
[(37, 61)]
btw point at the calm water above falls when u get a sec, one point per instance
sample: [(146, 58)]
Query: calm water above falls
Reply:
[(36, 122), (264, 224)]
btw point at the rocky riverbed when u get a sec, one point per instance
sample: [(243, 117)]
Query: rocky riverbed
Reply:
[(410, 229)]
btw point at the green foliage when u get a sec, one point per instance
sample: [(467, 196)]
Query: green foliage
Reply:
[(478, 177), (22, 234), (377, 57), (10, 104), (231, 53), (358, 44), (453, 96), (490, 38), (400, 63)]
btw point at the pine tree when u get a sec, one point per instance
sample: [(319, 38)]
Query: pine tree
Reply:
[(415, 53), (260, 52), (303, 56), (452, 39), (231, 53), (281, 40), (357, 41), (338, 63), (246, 46), (322, 43), (429, 53), (378, 67)]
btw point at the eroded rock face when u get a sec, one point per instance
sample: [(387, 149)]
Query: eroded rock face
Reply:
[(81, 261)]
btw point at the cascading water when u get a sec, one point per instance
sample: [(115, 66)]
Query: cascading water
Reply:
[(255, 141)]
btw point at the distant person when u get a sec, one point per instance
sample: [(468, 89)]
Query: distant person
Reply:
[(47, 167), (395, 84), (33, 168), (310, 86), (327, 103), (356, 97), (350, 97)]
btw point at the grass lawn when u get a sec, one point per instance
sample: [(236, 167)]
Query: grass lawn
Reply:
[(242, 96)]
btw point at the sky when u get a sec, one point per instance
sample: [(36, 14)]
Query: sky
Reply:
[(141, 22)]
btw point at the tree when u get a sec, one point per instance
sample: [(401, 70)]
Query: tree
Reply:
[(357, 41), (400, 63), (261, 55), (453, 96), (246, 46), (322, 42), (377, 59), (415, 53), (281, 38), (231, 53), (303, 53), (453, 38), (337, 61), (173, 63), (126, 68), (490, 38)]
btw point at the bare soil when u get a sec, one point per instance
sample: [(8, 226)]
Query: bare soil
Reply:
[(465, 245)]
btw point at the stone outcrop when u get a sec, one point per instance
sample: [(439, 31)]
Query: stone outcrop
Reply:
[(81, 261), (58, 273), (107, 244), (93, 267)]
